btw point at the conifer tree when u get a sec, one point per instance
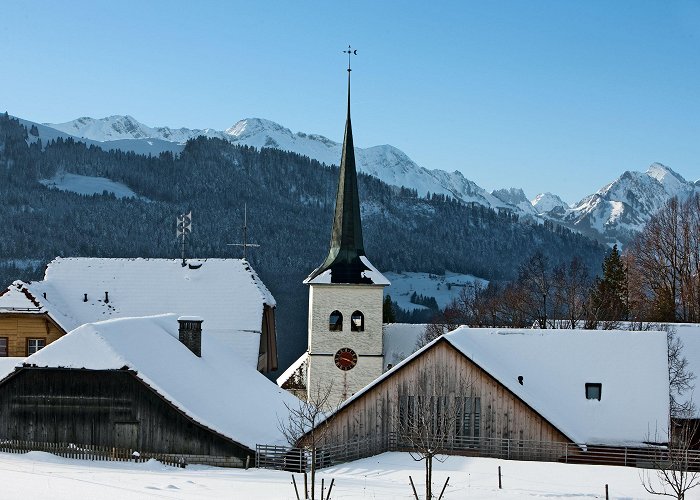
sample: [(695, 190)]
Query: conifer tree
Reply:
[(609, 297)]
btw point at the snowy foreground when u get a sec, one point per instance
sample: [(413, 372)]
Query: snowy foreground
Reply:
[(39, 475)]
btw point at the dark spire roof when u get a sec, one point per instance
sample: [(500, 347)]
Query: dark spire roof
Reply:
[(346, 237)]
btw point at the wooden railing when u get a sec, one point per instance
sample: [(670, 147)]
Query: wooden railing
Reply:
[(90, 452), (299, 459)]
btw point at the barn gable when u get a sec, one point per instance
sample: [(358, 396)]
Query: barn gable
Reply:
[(218, 390), (530, 385)]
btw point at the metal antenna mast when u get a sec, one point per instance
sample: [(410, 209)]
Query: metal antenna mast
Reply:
[(184, 228), (245, 243)]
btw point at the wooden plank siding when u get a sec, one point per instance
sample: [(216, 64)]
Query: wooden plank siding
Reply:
[(20, 327), (439, 371), (104, 408)]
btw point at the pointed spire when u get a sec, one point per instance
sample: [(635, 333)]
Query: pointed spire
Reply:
[(346, 246)]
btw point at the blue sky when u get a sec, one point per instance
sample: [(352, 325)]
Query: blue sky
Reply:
[(559, 96)]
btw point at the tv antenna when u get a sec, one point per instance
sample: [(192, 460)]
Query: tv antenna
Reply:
[(245, 243), (184, 228)]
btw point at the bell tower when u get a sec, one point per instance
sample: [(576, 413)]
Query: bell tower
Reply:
[(345, 295)]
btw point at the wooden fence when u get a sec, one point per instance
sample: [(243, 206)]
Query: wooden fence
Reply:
[(90, 452), (299, 459)]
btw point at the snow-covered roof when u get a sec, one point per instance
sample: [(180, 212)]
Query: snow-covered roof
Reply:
[(8, 365), (218, 390), (371, 273), (556, 365), (226, 292), (15, 299), (287, 374)]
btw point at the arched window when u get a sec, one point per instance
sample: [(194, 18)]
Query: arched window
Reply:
[(357, 322), (335, 322)]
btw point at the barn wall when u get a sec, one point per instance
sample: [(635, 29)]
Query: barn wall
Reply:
[(440, 371), (20, 327), (106, 408)]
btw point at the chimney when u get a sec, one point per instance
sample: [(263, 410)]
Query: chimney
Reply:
[(190, 333)]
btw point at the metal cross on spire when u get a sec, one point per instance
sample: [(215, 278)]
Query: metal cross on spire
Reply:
[(350, 52), (245, 243)]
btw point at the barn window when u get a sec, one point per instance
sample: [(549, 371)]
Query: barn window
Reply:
[(357, 322), (3, 347), (33, 345), (335, 322), (594, 391), (468, 423)]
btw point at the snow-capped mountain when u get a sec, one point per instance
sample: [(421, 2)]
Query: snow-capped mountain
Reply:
[(622, 208), (545, 203), (517, 198), (117, 127), (613, 214), (385, 162)]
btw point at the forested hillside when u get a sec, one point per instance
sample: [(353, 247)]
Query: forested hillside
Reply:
[(290, 201)]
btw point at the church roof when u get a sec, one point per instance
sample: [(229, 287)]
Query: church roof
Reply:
[(227, 292), (346, 261), (218, 390)]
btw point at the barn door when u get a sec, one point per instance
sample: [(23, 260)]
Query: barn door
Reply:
[(126, 435)]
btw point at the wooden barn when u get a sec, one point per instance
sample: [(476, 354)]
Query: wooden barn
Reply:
[(155, 384), (517, 388), (76, 291)]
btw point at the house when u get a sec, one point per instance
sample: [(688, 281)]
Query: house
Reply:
[(76, 291), (158, 384), (518, 387)]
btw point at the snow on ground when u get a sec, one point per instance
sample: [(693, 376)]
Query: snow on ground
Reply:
[(87, 185), (443, 287), (38, 476)]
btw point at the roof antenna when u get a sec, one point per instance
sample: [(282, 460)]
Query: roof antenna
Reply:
[(245, 243), (184, 228)]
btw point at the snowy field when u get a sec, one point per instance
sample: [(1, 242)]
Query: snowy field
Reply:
[(443, 288), (42, 476), (87, 185)]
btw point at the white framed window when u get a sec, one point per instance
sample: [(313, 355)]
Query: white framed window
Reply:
[(33, 345)]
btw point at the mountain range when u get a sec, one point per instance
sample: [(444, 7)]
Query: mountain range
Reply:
[(613, 214)]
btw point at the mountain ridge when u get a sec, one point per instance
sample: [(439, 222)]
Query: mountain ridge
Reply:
[(612, 214)]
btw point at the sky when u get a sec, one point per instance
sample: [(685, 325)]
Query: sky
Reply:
[(549, 96)]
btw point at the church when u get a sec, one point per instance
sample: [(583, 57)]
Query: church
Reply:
[(346, 349)]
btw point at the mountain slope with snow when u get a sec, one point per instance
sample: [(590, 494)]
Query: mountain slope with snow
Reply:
[(620, 209), (612, 214)]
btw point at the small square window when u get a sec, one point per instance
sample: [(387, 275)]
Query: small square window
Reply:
[(594, 391)]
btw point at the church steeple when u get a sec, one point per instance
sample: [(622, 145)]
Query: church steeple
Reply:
[(346, 247)]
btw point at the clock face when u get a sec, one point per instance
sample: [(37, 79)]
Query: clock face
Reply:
[(345, 359)]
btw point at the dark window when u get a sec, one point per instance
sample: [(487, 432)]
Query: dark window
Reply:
[(3, 347), (33, 345), (335, 322), (468, 423), (357, 322), (594, 391)]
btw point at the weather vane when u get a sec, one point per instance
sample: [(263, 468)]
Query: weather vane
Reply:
[(350, 52), (184, 228)]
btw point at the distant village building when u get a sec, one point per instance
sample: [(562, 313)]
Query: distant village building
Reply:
[(345, 348), (159, 384), (75, 291), (516, 388)]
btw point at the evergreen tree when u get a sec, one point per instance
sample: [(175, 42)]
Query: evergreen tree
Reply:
[(388, 314), (609, 297)]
